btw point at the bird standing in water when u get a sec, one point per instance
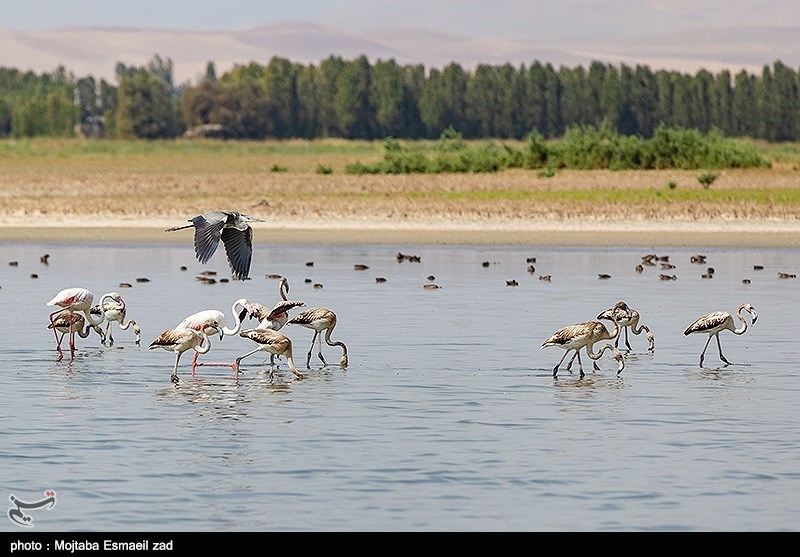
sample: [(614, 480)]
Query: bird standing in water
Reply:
[(71, 301), (112, 308), (180, 340), (272, 341), (233, 228), (631, 323), (715, 322), (70, 323), (319, 320), (585, 335)]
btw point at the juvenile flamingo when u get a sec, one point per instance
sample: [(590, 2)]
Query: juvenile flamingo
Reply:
[(585, 335), (72, 300), (272, 341), (318, 320), (73, 323), (180, 340), (626, 323), (112, 308), (715, 322)]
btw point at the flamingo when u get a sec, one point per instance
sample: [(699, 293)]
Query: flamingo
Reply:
[(276, 317), (318, 320), (180, 340), (212, 321), (233, 228), (632, 323), (115, 310), (586, 334), (272, 341), (715, 322), (73, 323), (72, 300)]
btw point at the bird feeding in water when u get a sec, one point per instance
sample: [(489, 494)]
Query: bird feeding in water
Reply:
[(72, 301), (233, 228), (585, 335), (112, 308), (631, 323), (183, 339), (715, 322)]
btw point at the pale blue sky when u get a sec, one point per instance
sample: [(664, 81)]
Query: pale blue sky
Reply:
[(491, 18)]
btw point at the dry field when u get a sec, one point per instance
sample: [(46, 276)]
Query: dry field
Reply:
[(103, 197)]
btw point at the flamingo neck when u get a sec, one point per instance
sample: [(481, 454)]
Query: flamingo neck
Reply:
[(89, 317)]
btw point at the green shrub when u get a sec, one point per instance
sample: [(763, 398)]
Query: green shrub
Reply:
[(707, 179)]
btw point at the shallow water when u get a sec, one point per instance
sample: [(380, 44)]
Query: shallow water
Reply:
[(448, 416)]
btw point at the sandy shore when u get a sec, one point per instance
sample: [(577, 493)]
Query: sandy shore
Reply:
[(548, 232), (83, 202)]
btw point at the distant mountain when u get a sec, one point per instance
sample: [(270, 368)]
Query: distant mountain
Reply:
[(96, 51)]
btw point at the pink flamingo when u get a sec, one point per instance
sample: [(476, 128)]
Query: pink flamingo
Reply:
[(72, 300)]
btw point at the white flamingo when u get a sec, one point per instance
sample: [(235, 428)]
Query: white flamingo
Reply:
[(180, 340), (585, 335), (715, 322), (72, 300), (112, 307), (319, 320), (212, 321)]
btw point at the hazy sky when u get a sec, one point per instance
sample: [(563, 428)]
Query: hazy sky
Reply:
[(491, 18)]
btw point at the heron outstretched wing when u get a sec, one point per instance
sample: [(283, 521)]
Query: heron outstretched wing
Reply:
[(207, 233), (239, 249)]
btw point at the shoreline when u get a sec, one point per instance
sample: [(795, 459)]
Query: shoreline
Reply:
[(482, 232)]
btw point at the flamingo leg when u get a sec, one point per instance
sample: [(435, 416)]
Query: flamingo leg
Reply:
[(174, 378), (703, 353), (555, 369), (242, 357), (55, 335), (580, 364), (719, 345), (311, 350), (71, 344), (319, 355), (627, 342), (58, 346)]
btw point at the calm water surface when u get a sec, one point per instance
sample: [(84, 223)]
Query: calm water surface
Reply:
[(447, 418)]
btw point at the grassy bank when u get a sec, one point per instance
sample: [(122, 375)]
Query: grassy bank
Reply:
[(179, 178)]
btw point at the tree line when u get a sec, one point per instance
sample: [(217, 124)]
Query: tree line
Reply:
[(357, 99)]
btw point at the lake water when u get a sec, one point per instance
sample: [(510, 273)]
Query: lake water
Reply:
[(448, 416)]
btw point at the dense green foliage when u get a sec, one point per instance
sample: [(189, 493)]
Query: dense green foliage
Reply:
[(582, 147), (357, 99)]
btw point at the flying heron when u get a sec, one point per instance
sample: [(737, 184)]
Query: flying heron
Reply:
[(233, 228)]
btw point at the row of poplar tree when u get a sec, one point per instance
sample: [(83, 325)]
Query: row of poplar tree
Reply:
[(357, 99)]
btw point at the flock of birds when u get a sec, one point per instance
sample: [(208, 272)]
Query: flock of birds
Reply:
[(78, 315), (584, 335)]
